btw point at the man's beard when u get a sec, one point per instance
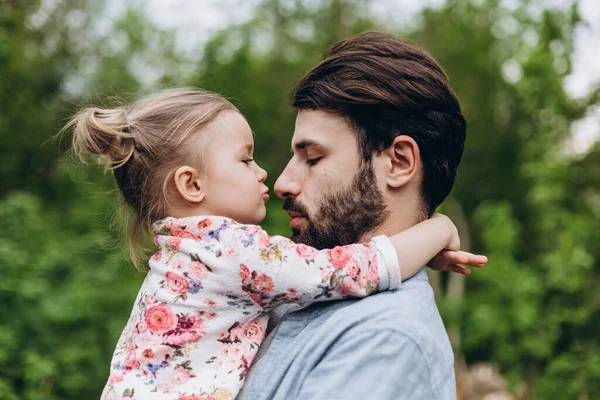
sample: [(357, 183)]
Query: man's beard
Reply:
[(344, 217)]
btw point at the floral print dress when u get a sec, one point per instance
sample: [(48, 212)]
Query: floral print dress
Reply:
[(202, 310)]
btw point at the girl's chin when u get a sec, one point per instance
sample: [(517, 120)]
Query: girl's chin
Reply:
[(257, 218), (262, 215)]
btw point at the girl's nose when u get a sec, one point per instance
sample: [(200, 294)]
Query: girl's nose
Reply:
[(261, 174)]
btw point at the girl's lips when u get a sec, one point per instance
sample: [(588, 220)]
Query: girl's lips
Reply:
[(265, 197)]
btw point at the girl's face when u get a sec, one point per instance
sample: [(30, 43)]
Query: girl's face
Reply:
[(235, 186)]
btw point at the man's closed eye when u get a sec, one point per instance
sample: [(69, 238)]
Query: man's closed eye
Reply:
[(313, 161)]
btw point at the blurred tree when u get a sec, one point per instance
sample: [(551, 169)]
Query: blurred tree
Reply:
[(66, 290), (534, 310)]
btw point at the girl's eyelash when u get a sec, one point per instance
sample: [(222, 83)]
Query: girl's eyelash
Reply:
[(248, 160), (313, 161)]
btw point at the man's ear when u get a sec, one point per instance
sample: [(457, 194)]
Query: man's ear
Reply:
[(404, 161), (189, 185)]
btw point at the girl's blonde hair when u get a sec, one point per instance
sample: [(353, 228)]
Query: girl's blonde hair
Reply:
[(143, 144)]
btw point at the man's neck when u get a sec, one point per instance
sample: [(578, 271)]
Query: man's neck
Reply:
[(400, 218)]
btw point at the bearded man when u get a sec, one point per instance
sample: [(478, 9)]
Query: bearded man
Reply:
[(379, 136)]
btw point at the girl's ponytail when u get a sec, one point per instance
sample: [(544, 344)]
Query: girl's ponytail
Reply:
[(103, 132)]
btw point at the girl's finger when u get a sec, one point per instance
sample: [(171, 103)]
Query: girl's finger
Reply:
[(459, 269), (474, 260), (455, 257), (476, 265)]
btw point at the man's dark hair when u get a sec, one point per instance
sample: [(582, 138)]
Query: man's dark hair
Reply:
[(387, 87)]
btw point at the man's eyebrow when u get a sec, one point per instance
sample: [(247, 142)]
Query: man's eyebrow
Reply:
[(303, 144)]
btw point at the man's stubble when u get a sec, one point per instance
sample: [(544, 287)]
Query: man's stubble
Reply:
[(342, 217)]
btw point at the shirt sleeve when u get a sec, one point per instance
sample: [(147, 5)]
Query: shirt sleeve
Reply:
[(382, 365), (275, 270)]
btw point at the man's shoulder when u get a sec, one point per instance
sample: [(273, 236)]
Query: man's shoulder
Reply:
[(409, 311), (404, 324)]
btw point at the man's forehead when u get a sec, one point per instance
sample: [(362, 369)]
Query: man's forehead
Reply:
[(320, 129)]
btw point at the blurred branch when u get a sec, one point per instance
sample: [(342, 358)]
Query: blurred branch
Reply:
[(456, 282)]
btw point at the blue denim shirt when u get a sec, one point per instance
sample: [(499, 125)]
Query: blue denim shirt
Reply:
[(392, 345)]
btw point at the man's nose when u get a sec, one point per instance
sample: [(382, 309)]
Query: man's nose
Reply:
[(286, 186)]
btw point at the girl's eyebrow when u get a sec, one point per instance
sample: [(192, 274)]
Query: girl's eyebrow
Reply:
[(249, 147)]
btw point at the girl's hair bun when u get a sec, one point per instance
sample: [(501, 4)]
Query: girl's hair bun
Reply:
[(104, 132)]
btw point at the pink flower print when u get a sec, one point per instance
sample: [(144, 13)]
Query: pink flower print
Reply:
[(116, 378), (205, 223), (163, 388), (231, 252), (197, 270), (252, 230), (189, 398), (339, 257), (236, 350), (230, 351), (326, 274), (176, 283), (245, 364), (262, 283), (174, 243), (149, 299), (180, 376), (156, 256), (178, 267), (182, 233), (264, 240), (159, 319), (148, 353), (256, 297), (254, 331), (130, 360), (225, 350), (154, 353), (141, 327), (352, 268), (210, 303), (347, 287), (170, 225), (189, 329), (306, 252), (244, 274)]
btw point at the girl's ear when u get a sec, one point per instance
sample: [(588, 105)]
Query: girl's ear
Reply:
[(189, 185), (404, 160)]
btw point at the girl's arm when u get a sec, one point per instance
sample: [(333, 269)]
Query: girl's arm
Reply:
[(273, 269)]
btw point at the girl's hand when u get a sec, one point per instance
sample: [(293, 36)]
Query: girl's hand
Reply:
[(453, 238), (448, 260)]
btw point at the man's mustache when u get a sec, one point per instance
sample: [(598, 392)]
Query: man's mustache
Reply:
[(291, 204)]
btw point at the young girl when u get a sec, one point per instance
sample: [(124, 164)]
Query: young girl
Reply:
[(182, 160)]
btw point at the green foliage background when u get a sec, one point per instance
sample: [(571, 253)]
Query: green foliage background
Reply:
[(67, 288)]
